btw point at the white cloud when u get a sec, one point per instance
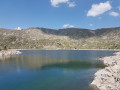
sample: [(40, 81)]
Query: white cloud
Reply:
[(98, 9), (71, 4), (19, 28), (91, 25), (119, 7), (71, 26), (114, 14), (56, 3), (68, 26)]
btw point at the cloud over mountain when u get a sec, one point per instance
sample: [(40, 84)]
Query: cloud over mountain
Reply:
[(68, 26), (98, 9), (55, 3)]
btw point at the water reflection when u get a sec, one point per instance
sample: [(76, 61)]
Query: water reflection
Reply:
[(44, 62), (58, 70)]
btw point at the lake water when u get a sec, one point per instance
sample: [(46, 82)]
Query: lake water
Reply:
[(51, 69)]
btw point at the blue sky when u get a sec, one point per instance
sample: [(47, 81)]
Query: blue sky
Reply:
[(57, 14)]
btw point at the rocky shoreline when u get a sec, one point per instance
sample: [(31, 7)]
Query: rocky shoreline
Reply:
[(7, 53), (109, 77)]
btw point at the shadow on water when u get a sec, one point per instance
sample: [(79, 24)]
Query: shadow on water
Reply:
[(74, 65)]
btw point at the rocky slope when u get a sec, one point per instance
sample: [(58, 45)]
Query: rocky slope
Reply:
[(70, 38), (109, 78)]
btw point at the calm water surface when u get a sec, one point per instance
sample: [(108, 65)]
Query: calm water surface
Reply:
[(51, 69)]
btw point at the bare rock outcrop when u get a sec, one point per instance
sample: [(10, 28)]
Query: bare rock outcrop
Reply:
[(7, 53), (109, 77)]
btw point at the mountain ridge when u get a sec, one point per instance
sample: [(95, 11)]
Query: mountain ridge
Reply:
[(69, 38)]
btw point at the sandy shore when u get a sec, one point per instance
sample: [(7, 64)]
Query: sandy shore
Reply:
[(109, 77), (7, 53)]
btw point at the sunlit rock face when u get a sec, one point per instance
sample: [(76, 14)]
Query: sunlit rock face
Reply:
[(4, 54), (109, 78)]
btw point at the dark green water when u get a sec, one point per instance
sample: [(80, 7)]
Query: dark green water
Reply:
[(51, 69)]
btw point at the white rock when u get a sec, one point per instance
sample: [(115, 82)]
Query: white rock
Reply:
[(8, 53), (109, 78)]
